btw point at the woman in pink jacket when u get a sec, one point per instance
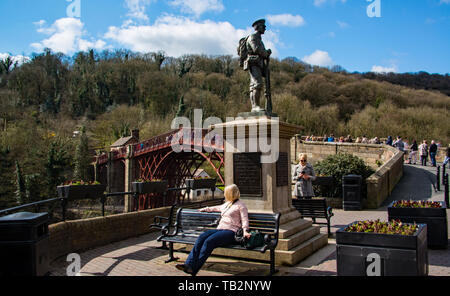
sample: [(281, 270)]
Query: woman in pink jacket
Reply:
[(234, 215)]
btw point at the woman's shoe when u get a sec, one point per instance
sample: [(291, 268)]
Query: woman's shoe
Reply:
[(183, 267)]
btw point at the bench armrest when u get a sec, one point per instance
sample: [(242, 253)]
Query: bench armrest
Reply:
[(158, 220), (269, 243)]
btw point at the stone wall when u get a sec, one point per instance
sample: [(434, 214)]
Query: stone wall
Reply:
[(80, 235), (386, 160)]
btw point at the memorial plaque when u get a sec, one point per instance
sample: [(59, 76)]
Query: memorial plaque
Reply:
[(247, 172), (282, 170)]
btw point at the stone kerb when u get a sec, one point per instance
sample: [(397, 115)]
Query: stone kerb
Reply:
[(80, 235), (380, 184)]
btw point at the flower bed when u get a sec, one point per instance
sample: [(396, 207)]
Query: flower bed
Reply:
[(77, 190), (144, 187), (201, 183), (434, 214), (400, 249)]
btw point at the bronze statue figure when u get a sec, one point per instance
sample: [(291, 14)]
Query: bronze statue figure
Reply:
[(255, 58)]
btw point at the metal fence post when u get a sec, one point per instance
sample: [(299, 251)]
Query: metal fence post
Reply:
[(64, 207), (443, 174), (446, 190), (103, 200), (438, 179)]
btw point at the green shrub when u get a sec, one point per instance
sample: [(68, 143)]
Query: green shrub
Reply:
[(340, 165)]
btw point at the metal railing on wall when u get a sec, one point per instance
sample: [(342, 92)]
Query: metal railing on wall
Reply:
[(64, 202)]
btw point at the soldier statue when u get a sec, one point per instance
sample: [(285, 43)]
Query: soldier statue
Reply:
[(255, 58)]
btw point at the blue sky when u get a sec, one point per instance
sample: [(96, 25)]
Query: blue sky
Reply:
[(409, 36)]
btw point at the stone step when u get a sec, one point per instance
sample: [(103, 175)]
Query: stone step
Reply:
[(290, 216), (298, 238), (288, 229), (294, 256)]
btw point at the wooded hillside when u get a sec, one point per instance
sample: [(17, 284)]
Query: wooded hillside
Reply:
[(44, 101)]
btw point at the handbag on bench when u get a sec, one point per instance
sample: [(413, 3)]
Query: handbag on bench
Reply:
[(255, 240)]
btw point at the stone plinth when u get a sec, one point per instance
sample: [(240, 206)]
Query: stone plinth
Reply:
[(264, 178)]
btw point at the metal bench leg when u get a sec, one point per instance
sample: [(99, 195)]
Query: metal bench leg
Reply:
[(329, 227), (171, 257), (272, 262), (163, 247)]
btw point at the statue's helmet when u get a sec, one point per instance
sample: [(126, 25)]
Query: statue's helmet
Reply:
[(259, 22)]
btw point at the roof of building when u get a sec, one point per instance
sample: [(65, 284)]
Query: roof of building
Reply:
[(199, 172), (123, 141)]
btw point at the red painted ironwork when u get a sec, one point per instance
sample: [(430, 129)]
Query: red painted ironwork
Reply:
[(155, 159)]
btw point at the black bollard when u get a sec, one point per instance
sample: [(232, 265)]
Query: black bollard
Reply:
[(443, 173), (438, 179), (446, 191)]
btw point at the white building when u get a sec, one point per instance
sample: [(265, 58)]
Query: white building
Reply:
[(205, 193)]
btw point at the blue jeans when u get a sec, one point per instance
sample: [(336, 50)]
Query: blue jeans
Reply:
[(433, 158), (205, 244), (446, 160)]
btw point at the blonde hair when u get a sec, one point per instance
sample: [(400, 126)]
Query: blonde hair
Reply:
[(303, 156), (232, 193)]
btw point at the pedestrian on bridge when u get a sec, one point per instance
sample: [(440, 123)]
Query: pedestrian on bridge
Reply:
[(433, 152), (413, 153), (423, 152)]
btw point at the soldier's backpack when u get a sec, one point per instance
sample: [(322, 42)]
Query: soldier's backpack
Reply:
[(242, 51)]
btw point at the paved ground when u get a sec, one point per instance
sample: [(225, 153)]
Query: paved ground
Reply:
[(139, 256)]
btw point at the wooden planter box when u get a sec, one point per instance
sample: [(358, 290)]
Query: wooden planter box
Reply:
[(435, 218), (149, 187), (400, 255), (77, 192), (201, 184)]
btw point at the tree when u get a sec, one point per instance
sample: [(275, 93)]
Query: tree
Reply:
[(20, 185), (6, 185), (82, 157), (33, 189), (159, 58), (56, 164), (181, 107), (6, 64)]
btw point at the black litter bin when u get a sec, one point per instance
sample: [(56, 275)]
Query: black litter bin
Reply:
[(351, 191), (24, 244)]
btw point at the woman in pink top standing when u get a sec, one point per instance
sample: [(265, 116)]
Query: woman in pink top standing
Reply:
[(234, 215)]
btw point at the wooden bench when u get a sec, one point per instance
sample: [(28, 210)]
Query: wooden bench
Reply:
[(167, 224), (191, 223), (314, 208)]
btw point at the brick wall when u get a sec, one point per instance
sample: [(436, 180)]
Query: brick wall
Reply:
[(380, 184), (80, 235)]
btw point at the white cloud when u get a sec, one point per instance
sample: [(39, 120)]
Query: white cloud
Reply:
[(179, 35), (288, 20), (321, 2), (319, 58), (381, 69), (136, 9), (66, 36), (445, 1), (343, 25), (198, 7), (20, 59)]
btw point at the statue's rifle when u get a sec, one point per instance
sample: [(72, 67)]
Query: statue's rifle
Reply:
[(268, 93)]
